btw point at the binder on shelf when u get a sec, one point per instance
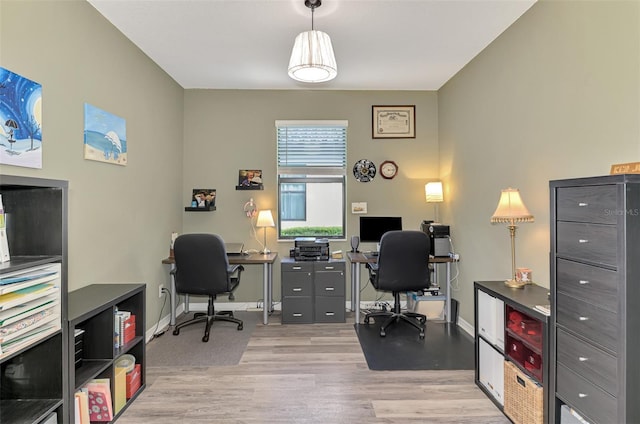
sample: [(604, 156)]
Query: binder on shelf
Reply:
[(81, 406), (99, 393)]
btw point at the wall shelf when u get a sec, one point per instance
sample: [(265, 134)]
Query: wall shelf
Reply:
[(196, 209)]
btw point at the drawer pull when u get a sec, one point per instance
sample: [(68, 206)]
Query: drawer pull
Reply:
[(583, 241), (583, 282), (297, 289), (328, 267), (329, 288), (582, 395), (582, 359), (583, 204), (297, 267), (583, 318), (330, 314), (297, 314)]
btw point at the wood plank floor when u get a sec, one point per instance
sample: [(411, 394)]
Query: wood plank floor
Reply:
[(308, 374)]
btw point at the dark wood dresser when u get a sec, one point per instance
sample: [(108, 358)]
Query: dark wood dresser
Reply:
[(595, 299)]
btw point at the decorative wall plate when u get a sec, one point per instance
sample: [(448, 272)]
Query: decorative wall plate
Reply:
[(364, 170)]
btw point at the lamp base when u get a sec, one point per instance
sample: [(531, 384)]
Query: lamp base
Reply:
[(515, 284), (265, 251)]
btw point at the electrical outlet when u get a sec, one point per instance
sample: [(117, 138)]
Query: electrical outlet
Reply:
[(160, 290)]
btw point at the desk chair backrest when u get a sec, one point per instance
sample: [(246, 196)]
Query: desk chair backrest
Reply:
[(403, 261), (201, 264)]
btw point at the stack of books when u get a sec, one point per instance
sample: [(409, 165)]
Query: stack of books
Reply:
[(29, 307), (124, 328)]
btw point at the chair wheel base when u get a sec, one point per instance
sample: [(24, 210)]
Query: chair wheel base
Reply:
[(176, 331)]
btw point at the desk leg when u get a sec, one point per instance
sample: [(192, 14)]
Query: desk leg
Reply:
[(448, 298), (355, 287), (266, 295), (172, 298)]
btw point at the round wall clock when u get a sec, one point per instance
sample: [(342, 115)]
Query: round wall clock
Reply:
[(364, 170), (388, 169)]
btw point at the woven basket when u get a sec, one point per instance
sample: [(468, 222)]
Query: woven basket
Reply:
[(523, 397)]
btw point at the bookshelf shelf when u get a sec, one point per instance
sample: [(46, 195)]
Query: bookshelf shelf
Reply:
[(93, 309), (29, 391)]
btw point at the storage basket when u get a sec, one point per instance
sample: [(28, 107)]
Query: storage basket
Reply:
[(523, 397)]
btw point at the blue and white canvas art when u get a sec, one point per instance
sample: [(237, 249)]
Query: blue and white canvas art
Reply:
[(105, 136), (20, 120)]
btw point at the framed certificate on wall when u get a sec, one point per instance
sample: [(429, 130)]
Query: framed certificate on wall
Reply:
[(394, 121)]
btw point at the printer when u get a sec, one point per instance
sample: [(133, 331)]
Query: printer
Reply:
[(439, 237), (310, 249)]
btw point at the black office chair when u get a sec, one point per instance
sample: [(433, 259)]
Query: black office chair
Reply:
[(202, 268), (403, 265)]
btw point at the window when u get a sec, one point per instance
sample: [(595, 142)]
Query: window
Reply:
[(312, 159)]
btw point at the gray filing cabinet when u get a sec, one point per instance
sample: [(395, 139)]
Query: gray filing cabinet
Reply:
[(595, 264), (313, 291)]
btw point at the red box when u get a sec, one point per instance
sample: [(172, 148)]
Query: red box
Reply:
[(515, 350), (133, 381), (129, 329)]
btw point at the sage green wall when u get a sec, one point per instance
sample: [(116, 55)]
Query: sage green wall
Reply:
[(555, 96), (120, 218), (228, 130)]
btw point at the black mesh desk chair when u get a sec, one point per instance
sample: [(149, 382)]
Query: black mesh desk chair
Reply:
[(403, 265), (202, 268)]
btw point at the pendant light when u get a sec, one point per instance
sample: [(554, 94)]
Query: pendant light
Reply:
[(312, 59)]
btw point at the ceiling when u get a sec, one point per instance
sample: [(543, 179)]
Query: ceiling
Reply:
[(246, 44)]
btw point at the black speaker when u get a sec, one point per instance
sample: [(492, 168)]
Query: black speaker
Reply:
[(355, 242)]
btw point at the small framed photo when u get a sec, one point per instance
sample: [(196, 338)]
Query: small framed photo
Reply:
[(394, 121), (203, 198), (250, 179), (359, 207)]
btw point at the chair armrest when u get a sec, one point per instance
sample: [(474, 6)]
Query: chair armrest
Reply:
[(234, 268)]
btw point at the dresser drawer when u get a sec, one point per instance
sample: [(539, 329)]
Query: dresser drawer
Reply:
[(595, 243), (591, 363), (597, 405), (296, 267), (296, 286), (338, 266), (330, 309), (588, 320), (598, 286), (297, 310), (329, 284), (595, 204)]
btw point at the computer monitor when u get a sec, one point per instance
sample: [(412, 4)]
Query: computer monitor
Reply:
[(373, 227)]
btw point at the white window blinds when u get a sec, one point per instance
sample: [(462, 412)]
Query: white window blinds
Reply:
[(312, 147)]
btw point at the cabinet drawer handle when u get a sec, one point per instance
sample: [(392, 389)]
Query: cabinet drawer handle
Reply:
[(329, 314), (328, 267), (583, 318), (297, 289), (582, 359), (297, 314), (329, 288), (582, 395), (583, 241), (583, 282), (583, 204), (297, 267)]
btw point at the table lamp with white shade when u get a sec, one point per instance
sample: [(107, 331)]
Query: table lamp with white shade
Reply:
[(265, 219)]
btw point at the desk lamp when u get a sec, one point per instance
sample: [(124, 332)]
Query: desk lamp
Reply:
[(433, 193), (265, 219), (511, 210)]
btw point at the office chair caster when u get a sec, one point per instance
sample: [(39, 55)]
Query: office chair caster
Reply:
[(176, 331), (422, 320), (421, 335), (240, 327), (205, 338), (383, 333)]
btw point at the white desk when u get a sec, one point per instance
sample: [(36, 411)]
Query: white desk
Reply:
[(358, 259), (266, 260)]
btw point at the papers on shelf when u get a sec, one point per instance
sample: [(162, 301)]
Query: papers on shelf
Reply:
[(18, 282), (27, 294)]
